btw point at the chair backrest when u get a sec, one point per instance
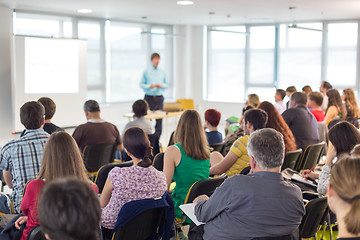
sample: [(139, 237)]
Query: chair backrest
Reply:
[(245, 171), (285, 237), (206, 186), (186, 104), (316, 212), (103, 173), (171, 139), (143, 226), (98, 155), (158, 162), (154, 141), (323, 133), (219, 147), (291, 159), (311, 156), (35, 234)]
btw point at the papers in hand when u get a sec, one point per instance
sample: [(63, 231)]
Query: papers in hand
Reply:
[(189, 210), (298, 178)]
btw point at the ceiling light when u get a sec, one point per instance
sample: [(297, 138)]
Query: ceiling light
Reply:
[(185, 2), (84, 10)]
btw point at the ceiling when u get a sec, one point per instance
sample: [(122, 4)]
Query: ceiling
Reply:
[(225, 11)]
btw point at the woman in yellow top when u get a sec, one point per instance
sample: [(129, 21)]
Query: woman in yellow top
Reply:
[(336, 108)]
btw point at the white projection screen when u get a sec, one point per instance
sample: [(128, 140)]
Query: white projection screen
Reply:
[(50, 67)]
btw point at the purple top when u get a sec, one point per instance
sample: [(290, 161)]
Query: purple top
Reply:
[(131, 183)]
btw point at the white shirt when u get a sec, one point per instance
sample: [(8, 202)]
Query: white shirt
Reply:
[(280, 106)]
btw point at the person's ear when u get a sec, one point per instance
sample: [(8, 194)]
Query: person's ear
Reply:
[(129, 154), (252, 163), (47, 236), (249, 126), (43, 121)]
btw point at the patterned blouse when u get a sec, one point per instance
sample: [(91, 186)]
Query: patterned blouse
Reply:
[(130, 184)]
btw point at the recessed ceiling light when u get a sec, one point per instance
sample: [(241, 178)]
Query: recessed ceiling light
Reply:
[(84, 10), (185, 2)]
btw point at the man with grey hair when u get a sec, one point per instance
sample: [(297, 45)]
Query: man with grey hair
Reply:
[(261, 204), (96, 130)]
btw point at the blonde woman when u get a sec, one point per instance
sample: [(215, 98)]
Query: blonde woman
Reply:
[(348, 96), (253, 100)]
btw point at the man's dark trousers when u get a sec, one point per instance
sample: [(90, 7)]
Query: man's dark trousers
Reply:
[(156, 103)]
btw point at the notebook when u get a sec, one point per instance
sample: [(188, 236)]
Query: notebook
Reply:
[(299, 178), (189, 210)]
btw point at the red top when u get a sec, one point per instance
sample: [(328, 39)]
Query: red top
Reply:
[(319, 115), (29, 204)]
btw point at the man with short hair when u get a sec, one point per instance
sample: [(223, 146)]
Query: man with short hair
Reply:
[(314, 102), (260, 204), (50, 109), (237, 159), (279, 100), (20, 159), (140, 109), (154, 84), (324, 87), (301, 121), (289, 91), (96, 130)]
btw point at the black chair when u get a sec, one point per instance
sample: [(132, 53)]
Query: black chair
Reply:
[(171, 140), (245, 171), (103, 173), (154, 141), (310, 157), (316, 212), (285, 237), (158, 162), (35, 234), (219, 147), (98, 155), (291, 159)]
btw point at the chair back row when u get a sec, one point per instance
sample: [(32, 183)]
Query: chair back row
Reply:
[(98, 155)]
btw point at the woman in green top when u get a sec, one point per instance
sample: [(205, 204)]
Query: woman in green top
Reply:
[(187, 161)]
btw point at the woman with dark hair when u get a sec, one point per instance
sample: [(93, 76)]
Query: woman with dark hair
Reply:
[(344, 137), (276, 121), (138, 182), (336, 108)]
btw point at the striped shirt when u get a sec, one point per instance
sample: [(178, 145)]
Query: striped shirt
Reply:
[(239, 148), (23, 158)]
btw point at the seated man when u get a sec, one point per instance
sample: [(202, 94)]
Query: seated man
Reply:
[(96, 130), (20, 159), (50, 108), (289, 91), (140, 109), (212, 119), (280, 105), (260, 204), (69, 209), (301, 122), (237, 159), (314, 103)]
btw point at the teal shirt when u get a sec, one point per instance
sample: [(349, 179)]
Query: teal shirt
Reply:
[(153, 76)]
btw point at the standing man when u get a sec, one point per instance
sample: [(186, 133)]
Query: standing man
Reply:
[(154, 83)]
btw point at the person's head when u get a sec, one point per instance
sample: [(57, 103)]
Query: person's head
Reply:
[(191, 135), (335, 100), (306, 89), (140, 108), (155, 60), (344, 193), (32, 115), (212, 117), (280, 95), (315, 100), (344, 136), (69, 209), (348, 96), (50, 107), (274, 116), (254, 119), (298, 99), (266, 150), (290, 90), (253, 100), (325, 86), (137, 146), (91, 109), (61, 158)]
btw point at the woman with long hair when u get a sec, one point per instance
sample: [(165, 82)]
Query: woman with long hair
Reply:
[(276, 121), (187, 161), (336, 108), (348, 96), (61, 159)]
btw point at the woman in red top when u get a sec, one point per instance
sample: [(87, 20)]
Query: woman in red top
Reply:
[(61, 159)]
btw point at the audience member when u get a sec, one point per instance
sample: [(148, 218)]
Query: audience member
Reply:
[(137, 182), (187, 161), (314, 103), (280, 105), (336, 108), (96, 130), (237, 159), (252, 100), (306, 89), (50, 109), (69, 209), (261, 204), (341, 145), (212, 119), (324, 87), (276, 121), (140, 109), (61, 159), (352, 109), (344, 196), (302, 123), (289, 91), (20, 159)]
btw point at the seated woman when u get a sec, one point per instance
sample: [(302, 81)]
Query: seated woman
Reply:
[(344, 137), (252, 100), (212, 119), (353, 114), (187, 161), (336, 108), (61, 159), (344, 196), (128, 184), (276, 121)]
